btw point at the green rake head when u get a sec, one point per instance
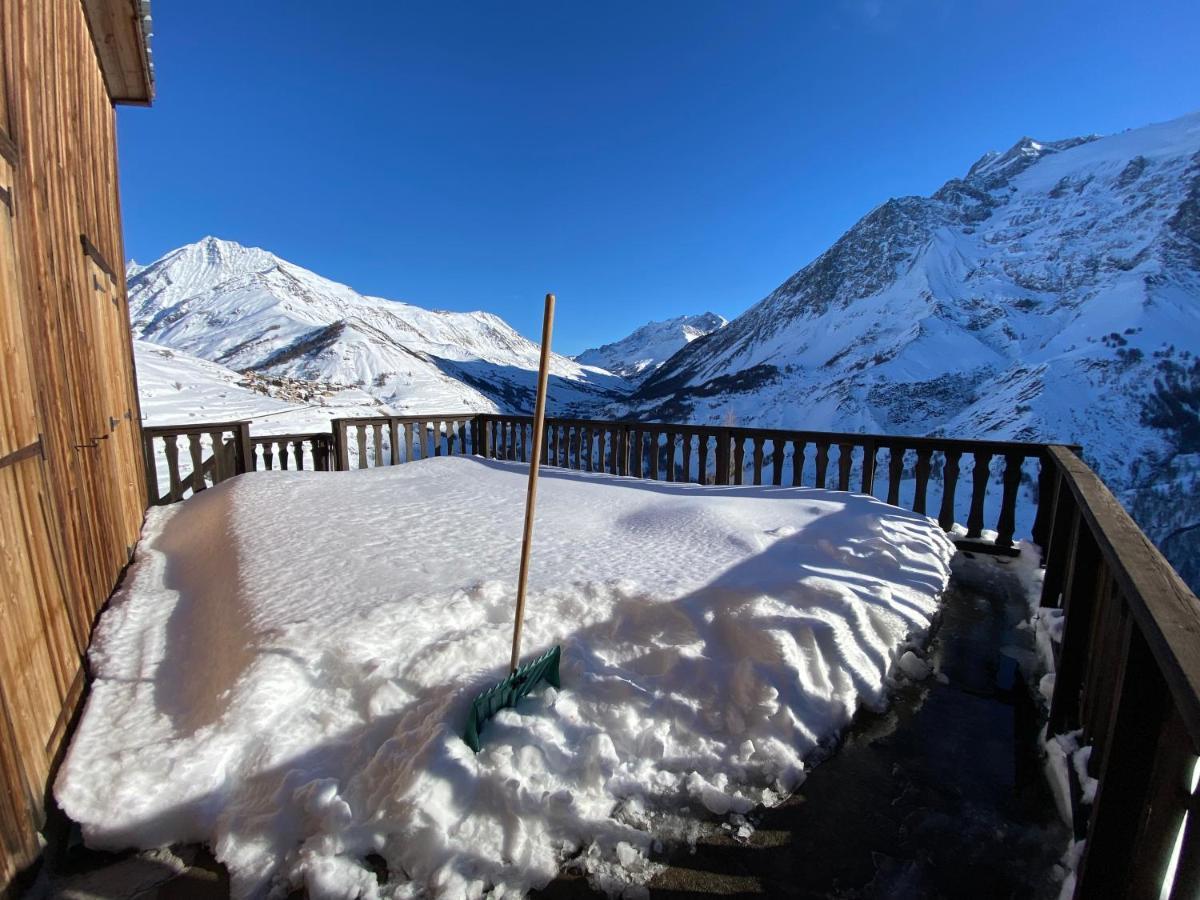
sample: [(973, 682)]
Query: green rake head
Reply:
[(509, 691)]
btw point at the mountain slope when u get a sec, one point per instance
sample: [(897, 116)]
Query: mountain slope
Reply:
[(249, 310), (1052, 293), (640, 353), (176, 388)]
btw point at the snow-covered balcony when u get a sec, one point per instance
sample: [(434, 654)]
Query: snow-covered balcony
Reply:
[(767, 687)]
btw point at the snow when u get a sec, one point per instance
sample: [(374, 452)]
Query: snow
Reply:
[(176, 388), (286, 669)]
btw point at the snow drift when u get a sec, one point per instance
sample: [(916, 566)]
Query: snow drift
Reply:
[(287, 668)]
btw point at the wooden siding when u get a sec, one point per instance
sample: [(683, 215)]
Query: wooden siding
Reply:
[(72, 493)]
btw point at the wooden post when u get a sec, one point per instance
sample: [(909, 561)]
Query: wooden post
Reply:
[(341, 461), (539, 417), (724, 439), (245, 449)]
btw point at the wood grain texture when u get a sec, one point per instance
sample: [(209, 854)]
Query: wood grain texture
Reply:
[(71, 512)]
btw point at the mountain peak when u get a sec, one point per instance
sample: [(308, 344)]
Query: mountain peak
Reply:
[(648, 347), (995, 168)]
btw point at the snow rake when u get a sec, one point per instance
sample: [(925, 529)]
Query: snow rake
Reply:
[(522, 679)]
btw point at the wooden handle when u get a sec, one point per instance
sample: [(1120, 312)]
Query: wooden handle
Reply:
[(539, 421)]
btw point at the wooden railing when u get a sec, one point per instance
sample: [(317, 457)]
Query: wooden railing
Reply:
[(1128, 675), (211, 453), (902, 468), (391, 440), (280, 452), (190, 458), (1128, 664)]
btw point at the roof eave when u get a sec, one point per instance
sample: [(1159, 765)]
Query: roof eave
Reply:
[(118, 29)]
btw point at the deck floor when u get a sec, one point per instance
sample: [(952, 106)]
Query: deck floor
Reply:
[(941, 796)]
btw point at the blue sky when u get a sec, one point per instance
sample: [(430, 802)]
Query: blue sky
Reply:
[(642, 160)]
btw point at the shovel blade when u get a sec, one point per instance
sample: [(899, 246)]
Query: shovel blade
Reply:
[(509, 691)]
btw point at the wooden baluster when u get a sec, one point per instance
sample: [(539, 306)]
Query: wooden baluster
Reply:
[(922, 472), (408, 441), (585, 448), (281, 446), (870, 453), (623, 450), (758, 459), (573, 447), (393, 444), (639, 466), (798, 448), (150, 462), (1047, 484), (686, 448), (171, 451), (602, 442), (1054, 552), (721, 457), (218, 457), (822, 463), (197, 463), (360, 432), (895, 473), (702, 458), (377, 434), (1083, 564), (979, 483), (434, 430), (739, 460), (669, 456), (655, 451), (1141, 704), (268, 452), (1007, 523), (949, 484), (778, 452), (463, 441), (298, 450), (845, 460)]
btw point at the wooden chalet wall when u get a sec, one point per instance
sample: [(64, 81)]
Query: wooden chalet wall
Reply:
[(71, 490)]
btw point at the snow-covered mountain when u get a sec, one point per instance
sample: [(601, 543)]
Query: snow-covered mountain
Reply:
[(640, 353), (1052, 293), (251, 311)]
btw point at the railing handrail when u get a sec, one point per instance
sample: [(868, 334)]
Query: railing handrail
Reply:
[(293, 436), (194, 428), (432, 417), (1166, 610)]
